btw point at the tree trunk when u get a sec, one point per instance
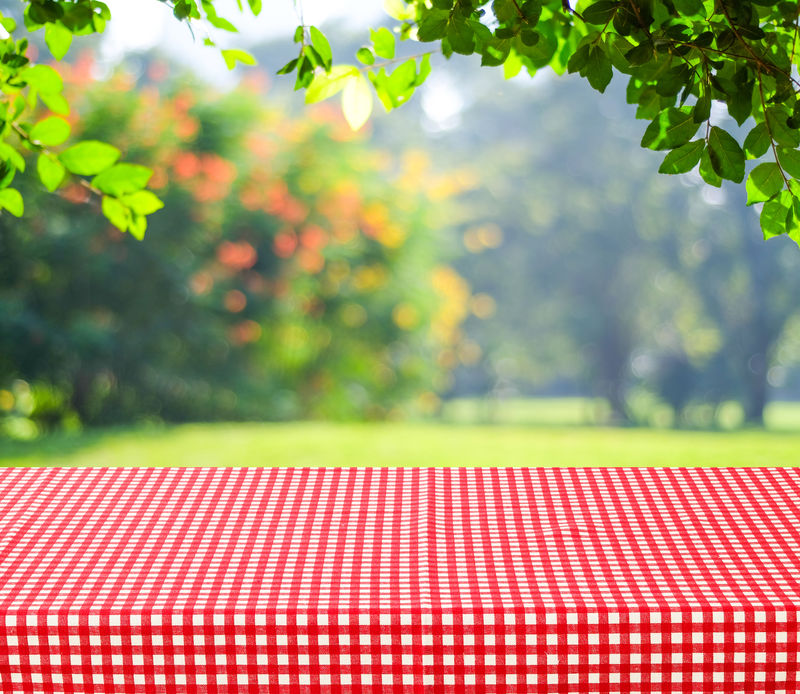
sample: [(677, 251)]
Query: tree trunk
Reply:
[(611, 363), (81, 392), (756, 384)]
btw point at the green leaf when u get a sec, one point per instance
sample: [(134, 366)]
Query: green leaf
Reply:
[(255, 6), (740, 104), (55, 102), (305, 71), (600, 12), (399, 10), (365, 56), (325, 85), (512, 66), (221, 23), (383, 43), (774, 215), (529, 37), (726, 156), (16, 108), (757, 142), (763, 182), (7, 173), (9, 154), (495, 51), (184, 9), (672, 81), (44, 78), (286, 69), (89, 157), (793, 219), (690, 8), (50, 131), (579, 59), (790, 161), (357, 101), (322, 46), (138, 226), (672, 128), (423, 71), (116, 213), (683, 158), (707, 170), (640, 54), (702, 109), (231, 56), (122, 179), (11, 200), (598, 70), (58, 39), (460, 35), (143, 202), (214, 19), (401, 82), (617, 47), (51, 171), (649, 104), (432, 26), (781, 132)]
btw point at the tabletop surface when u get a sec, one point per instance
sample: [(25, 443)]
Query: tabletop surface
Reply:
[(545, 580), (107, 539)]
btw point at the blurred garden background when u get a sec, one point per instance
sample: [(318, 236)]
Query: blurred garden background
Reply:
[(493, 274)]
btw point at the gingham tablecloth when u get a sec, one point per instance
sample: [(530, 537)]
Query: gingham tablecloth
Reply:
[(434, 580)]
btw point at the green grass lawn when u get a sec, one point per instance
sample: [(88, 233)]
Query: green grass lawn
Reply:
[(411, 444)]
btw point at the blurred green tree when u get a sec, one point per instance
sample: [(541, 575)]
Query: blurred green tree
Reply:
[(293, 271), (610, 285)]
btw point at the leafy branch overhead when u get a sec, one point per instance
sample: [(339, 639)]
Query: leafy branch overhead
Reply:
[(679, 56), (27, 88)]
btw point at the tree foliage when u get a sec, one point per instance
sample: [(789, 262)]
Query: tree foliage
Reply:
[(293, 271), (680, 57), (671, 309)]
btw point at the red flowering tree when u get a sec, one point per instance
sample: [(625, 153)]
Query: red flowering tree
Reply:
[(292, 272)]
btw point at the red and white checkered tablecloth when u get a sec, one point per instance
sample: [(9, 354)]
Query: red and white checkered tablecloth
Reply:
[(431, 580)]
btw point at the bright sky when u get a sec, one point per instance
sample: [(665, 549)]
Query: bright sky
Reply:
[(143, 24), (140, 25)]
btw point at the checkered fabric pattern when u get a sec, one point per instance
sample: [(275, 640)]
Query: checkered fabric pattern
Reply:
[(594, 580)]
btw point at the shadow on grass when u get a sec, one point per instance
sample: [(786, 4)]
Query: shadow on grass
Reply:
[(57, 446)]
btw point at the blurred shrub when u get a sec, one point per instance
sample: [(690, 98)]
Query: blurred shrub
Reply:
[(293, 272)]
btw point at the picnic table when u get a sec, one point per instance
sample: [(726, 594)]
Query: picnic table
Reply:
[(576, 580)]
